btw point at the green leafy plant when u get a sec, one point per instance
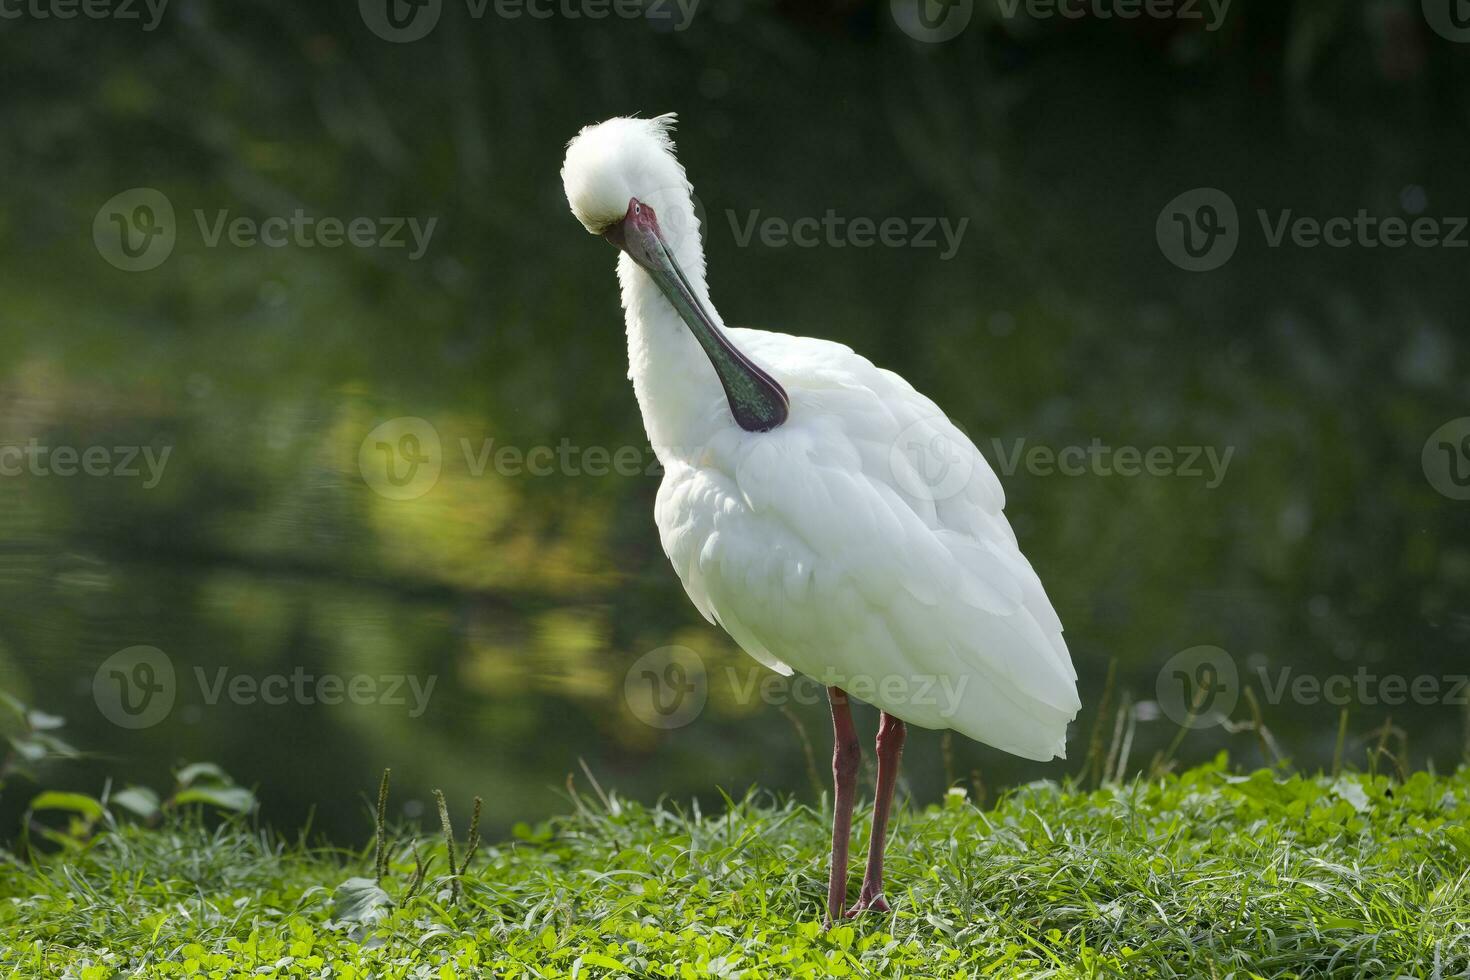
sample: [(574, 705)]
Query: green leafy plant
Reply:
[(361, 901), (201, 784), (31, 740), (1208, 872), (34, 744)]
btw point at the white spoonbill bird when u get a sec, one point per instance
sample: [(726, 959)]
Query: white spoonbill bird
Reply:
[(797, 516)]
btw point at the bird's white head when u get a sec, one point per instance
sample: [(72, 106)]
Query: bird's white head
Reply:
[(626, 168), (625, 184)]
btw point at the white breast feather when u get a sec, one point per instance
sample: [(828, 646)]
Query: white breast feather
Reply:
[(806, 545)]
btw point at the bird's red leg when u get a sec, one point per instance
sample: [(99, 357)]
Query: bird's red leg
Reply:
[(891, 734), (846, 754)]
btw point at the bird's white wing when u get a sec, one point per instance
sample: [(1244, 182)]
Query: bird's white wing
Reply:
[(863, 543)]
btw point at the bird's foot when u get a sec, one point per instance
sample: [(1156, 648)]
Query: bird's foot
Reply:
[(868, 903)]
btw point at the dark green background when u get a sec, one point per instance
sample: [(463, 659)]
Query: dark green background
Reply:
[(1059, 321)]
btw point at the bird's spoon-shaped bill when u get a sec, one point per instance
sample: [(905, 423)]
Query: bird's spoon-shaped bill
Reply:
[(756, 400)]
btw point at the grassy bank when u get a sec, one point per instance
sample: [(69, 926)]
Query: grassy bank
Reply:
[(1200, 874)]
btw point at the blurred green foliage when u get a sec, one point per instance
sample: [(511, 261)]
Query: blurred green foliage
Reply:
[(262, 550)]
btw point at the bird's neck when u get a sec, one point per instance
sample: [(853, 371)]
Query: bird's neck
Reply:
[(678, 390)]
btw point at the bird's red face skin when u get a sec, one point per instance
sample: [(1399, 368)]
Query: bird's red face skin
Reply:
[(638, 234)]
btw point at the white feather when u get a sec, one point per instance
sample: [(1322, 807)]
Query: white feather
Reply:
[(815, 545)]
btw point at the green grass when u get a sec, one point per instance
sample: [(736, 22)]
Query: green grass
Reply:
[(1200, 874)]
